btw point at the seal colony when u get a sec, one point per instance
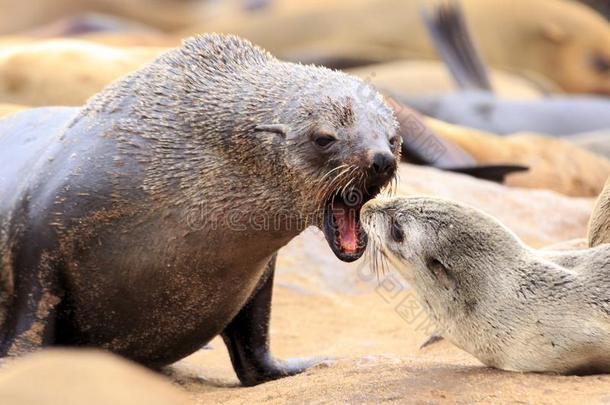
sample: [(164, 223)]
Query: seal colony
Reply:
[(477, 106), (512, 307), (148, 221)]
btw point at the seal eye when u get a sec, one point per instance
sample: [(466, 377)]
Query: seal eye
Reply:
[(394, 141), (324, 141), (602, 65), (396, 231)]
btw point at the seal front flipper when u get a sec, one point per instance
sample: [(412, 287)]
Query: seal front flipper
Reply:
[(247, 338), (433, 339), (32, 325)]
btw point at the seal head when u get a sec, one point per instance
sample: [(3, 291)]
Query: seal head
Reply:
[(318, 142)]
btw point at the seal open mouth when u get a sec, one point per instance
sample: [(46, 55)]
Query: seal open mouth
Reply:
[(342, 227)]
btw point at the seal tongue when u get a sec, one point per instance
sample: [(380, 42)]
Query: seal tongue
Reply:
[(347, 227)]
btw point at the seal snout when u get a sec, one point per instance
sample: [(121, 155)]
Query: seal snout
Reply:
[(381, 168), (375, 213)]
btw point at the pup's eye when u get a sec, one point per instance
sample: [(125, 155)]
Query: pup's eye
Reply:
[(395, 140), (324, 141), (396, 231)]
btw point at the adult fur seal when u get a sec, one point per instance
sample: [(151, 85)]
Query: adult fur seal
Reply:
[(148, 222), (511, 306)]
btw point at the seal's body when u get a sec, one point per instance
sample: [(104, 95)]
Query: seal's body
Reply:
[(510, 306), (147, 222), (482, 110)]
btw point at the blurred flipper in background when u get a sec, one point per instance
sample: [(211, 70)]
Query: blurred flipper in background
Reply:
[(454, 43), (476, 106), (421, 145)]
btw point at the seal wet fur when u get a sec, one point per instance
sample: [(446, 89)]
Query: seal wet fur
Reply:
[(512, 307), (147, 222)]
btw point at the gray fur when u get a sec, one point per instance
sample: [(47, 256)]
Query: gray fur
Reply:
[(511, 306)]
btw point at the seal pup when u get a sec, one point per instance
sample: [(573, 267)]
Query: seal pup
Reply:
[(510, 306), (148, 222)]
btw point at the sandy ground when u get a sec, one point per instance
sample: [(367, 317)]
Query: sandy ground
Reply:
[(374, 338)]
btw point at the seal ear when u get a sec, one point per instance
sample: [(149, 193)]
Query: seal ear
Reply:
[(553, 33), (279, 129), (442, 274)]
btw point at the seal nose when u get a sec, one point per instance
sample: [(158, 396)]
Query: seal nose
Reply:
[(383, 164), (381, 169)]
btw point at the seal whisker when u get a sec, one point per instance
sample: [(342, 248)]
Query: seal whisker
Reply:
[(351, 178), (328, 173), (375, 254), (330, 187), (326, 191)]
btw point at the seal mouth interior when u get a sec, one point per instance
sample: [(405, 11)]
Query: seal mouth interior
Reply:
[(342, 227)]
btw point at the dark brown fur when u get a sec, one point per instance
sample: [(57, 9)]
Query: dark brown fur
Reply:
[(149, 220)]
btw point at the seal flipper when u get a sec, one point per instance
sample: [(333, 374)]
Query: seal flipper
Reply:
[(496, 173), (433, 339), (422, 146), (247, 338), (449, 32)]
